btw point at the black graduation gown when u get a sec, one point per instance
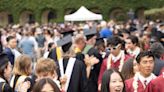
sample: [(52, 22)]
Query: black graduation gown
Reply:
[(80, 56), (78, 80), (93, 78)]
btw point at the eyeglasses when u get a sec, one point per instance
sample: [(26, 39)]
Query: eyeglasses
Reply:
[(113, 48)]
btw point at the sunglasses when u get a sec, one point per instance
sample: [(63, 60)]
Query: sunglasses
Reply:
[(113, 48)]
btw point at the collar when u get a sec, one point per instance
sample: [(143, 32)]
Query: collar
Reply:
[(116, 58), (135, 52), (77, 50), (2, 80), (148, 79)]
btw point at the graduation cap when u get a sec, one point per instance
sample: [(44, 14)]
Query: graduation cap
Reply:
[(65, 43), (90, 33), (3, 59), (67, 33)]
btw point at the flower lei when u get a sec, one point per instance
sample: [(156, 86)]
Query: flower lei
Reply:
[(136, 78), (135, 82), (109, 60)]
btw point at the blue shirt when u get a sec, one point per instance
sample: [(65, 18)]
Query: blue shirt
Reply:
[(105, 33)]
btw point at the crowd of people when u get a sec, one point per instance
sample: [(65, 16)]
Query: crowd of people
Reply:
[(83, 57)]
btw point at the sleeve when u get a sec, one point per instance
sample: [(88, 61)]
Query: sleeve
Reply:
[(102, 70), (83, 80), (127, 87), (7, 88)]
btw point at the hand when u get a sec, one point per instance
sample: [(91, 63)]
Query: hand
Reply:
[(90, 60), (87, 60), (63, 80), (99, 87), (93, 60), (24, 86)]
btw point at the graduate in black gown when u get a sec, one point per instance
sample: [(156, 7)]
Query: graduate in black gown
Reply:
[(91, 51), (72, 68), (55, 52)]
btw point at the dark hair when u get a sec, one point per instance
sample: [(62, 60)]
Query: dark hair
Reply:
[(115, 40), (2, 71), (10, 38), (134, 39), (40, 84), (143, 54), (127, 69), (3, 65), (50, 46), (106, 80), (157, 49)]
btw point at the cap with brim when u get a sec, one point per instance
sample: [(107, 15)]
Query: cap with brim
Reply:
[(90, 33), (65, 43), (3, 59)]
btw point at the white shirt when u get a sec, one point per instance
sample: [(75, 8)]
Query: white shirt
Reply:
[(2, 80), (116, 58), (134, 52), (148, 79)]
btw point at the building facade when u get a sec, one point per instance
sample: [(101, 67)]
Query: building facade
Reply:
[(44, 11)]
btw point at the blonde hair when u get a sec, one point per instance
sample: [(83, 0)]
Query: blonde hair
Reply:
[(78, 38), (45, 66), (22, 65)]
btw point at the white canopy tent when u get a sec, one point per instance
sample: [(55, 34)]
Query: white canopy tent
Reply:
[(83, 14)]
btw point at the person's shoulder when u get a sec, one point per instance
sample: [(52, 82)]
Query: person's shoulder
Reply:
[(7, 88), (7, 49), (159, 61), (129, 81), (21, 79), (78, 62), (157, 80)]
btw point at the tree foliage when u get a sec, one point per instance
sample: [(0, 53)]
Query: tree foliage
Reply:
[(16, 7)]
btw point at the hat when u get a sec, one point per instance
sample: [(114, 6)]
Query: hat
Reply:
[(90, 33), (65, 43), (3, 59), (67, 33)]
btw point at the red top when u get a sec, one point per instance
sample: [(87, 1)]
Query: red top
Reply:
[(156, 85), (129, 86), (114, 65)]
